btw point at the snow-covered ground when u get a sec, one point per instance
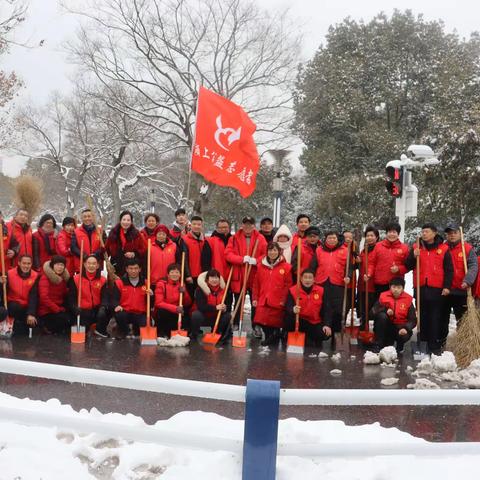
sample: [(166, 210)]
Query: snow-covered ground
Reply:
[(33, 453)]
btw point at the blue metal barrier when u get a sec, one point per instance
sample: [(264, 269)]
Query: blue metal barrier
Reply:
[(262, 405)]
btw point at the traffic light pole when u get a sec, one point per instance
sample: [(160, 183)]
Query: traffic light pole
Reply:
[(401, 208)]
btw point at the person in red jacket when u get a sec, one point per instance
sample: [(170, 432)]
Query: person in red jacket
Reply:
[(22, 295), (87, 232), (164, 252), (208, 302), (129, 299), (149, 231), (167, 302), (20, 229), (94, 300), (124, 242), (44, 241), (329, 265), (476, 286), (436, 276), (270, 291), (311, 309), (303, 222), (388, 259), (309, 248), (64, 243), (52, 296), (395, 316), (180, 226), (462, 281), (239, 254), (371, 238), (266, 229), (198, 253)]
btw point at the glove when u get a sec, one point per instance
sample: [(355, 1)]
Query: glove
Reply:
[(246, 259), (180, 310), (252, 261)]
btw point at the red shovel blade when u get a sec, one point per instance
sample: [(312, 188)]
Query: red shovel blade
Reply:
[(366, 337), (182, 333), (296, 342), (148, 335), (211, 338), (239, 340)]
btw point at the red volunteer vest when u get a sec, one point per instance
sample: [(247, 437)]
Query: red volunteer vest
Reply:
[(132, 299), (24, 239), (91, 291), (400, 306), (160, 259), (431, 266), (18, 287), (331, 265), (458, 266), (310, 303), (90, 243)]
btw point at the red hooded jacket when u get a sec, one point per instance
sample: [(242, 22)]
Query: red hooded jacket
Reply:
[(52, 291), (24, 238)]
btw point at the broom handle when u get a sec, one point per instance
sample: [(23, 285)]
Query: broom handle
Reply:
[(462, 240), (180, 301), (79, 293), (2, 257), (345, 289), (149, 248), (418, 288), (245, 281), (297, 300), (245, 288), (367, 326), (219, 313)]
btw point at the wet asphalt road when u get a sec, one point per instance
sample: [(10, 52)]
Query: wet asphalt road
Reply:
[(232, 366)]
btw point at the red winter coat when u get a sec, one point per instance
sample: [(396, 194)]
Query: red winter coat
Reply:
[(198, 255), (43, 246), (400, 306), (64, 243), (91, 245), (160, 258), (131, 299), (310, 303), (308, 254), (52, 291), (93, 290), (167, 296), (330, 264), (19, 288), (152, 235), (219, 261), (9, 243), (385, 255), (119, 243), (206, 302), (24, 239), (236, 250), (361, 283)]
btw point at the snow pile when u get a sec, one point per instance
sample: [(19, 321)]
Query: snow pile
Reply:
[(264, 351), (175, 341), (335, 372), (423, 384), (356, 320), (370, 358), (322, 355), (337, 357), (389, 381), (444, 362), (56, 454), (388, 354)]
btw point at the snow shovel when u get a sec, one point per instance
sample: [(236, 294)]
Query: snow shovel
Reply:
[(148, 334), (420, 348), (296, 339), (6, 327), (78, 332), (344, 306), (213, 337), (239, 338), (366, 336), (353, 329), (179, 331)]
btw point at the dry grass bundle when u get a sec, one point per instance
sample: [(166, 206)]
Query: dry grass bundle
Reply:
[(28, 195), (467, 341)]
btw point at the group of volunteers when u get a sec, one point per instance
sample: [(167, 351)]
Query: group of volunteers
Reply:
[(52, 276)]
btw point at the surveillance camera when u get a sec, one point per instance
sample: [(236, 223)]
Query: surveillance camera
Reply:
[(394, 164), (418, 152)]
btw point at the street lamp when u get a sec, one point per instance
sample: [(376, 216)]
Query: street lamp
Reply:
[(277, 183), (152, 200)]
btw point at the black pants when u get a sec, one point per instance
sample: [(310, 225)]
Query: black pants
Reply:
[(459, 305), (3, 314), (236, 298), (372, 298), (333, 298), (124, 319), (191, 287), (313, 332), (19, 315), (199, 319), (167, 321), (386, 332), (55, 322), (434, 318), (96, 315)]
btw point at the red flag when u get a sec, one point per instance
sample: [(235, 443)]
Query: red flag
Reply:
[(224, 151)]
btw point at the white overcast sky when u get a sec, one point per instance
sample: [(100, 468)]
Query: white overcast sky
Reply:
[(46, 69)]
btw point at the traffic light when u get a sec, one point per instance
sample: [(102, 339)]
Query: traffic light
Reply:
[(394, 183)]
